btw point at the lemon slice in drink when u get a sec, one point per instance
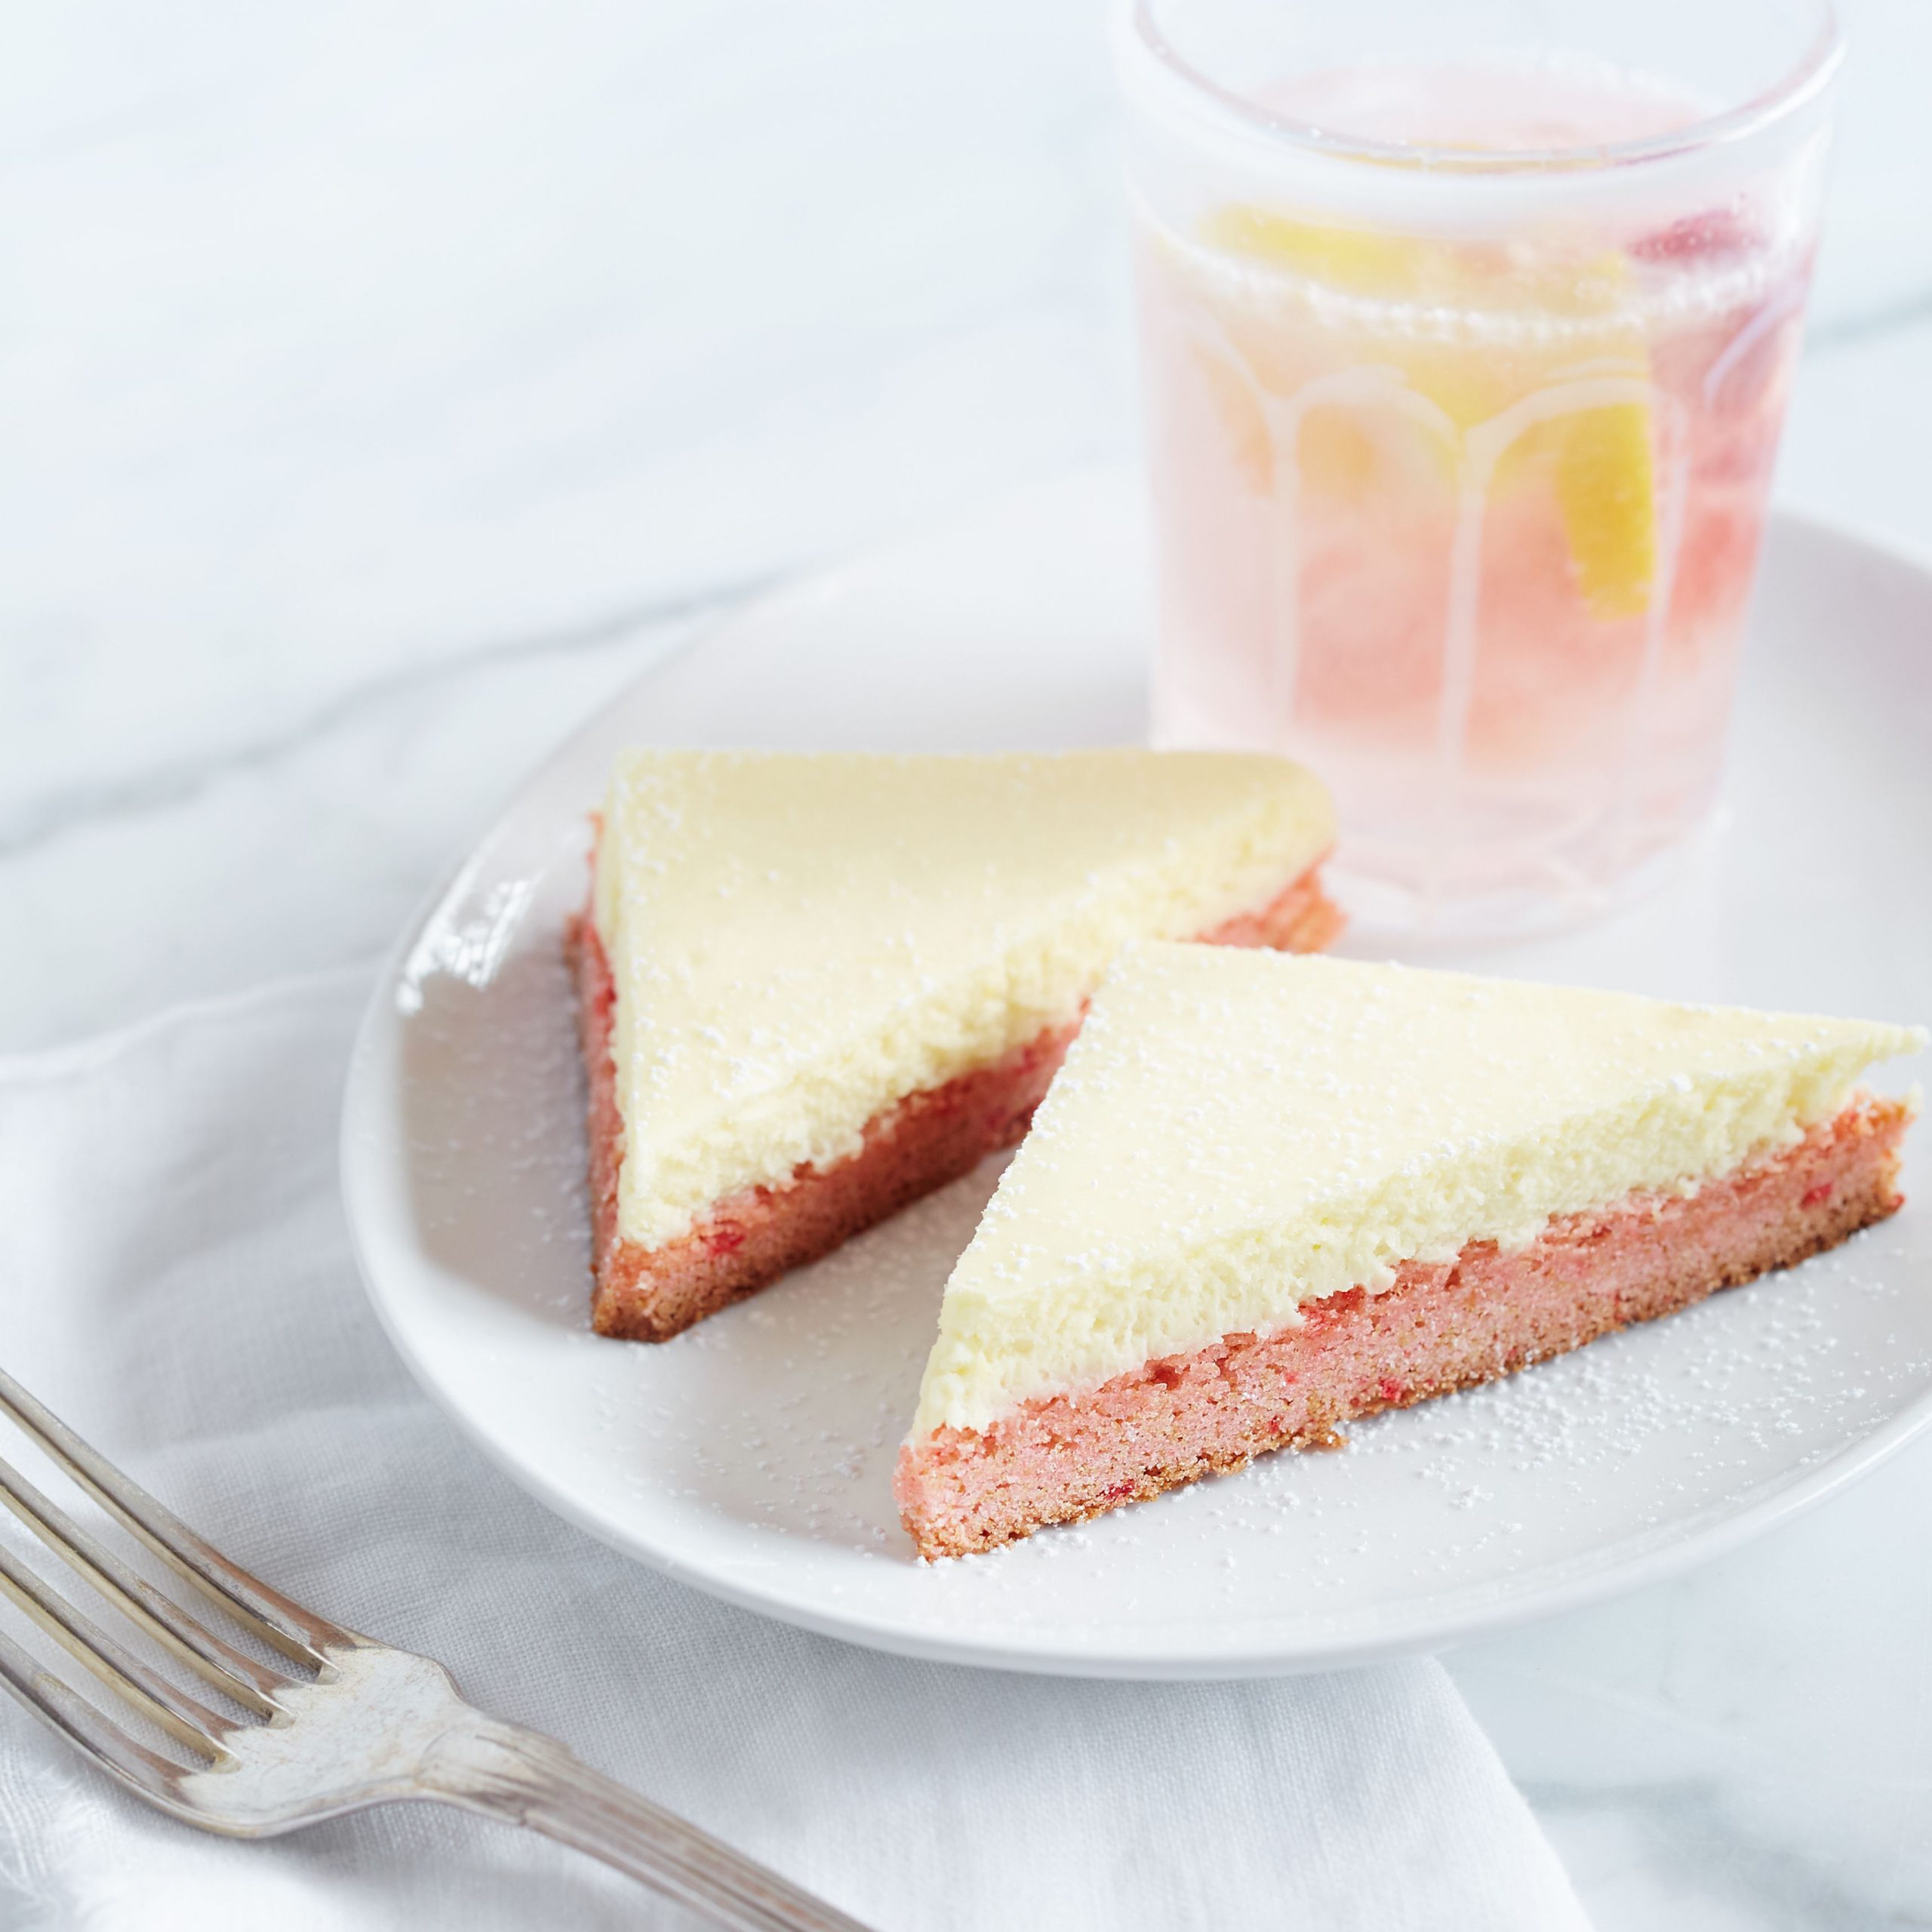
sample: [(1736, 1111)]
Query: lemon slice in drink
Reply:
[(1605, 478), (1361, 261), (1599, 462), (1604, 489)]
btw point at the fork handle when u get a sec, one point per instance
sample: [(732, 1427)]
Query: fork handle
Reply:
[(525, 1778)]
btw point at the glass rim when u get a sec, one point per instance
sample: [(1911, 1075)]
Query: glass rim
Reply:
[(1802, 83)]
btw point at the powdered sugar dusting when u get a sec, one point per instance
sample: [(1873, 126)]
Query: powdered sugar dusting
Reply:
[(754, 1454)]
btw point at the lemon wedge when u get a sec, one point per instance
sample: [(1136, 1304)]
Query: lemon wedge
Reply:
[(1363, 261), (1598, 461), (1604, 491), (1604, 479)]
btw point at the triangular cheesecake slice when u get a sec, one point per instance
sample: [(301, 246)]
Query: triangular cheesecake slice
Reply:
[(815, 986), (1267, 1195)]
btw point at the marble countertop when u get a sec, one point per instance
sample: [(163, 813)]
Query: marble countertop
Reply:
[(384, 386)]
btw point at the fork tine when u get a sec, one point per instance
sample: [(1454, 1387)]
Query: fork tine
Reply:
[(296, 1633), (181, 1716), (97, 1736), (249, 1683)]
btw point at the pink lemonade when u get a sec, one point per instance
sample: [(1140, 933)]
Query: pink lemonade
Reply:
[(1465, 516)]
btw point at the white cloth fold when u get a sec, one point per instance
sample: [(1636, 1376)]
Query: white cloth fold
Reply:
[(176, 1280)]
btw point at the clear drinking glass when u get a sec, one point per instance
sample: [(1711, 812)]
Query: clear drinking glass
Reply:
[(1468, 327)]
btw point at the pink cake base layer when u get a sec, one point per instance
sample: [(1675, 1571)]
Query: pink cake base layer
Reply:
[(1444, 1326), (925, 1140)]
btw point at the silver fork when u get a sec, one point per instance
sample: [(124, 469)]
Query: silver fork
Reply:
[(358, 1724)]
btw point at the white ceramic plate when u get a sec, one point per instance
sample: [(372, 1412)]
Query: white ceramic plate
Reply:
[(752, 1456)]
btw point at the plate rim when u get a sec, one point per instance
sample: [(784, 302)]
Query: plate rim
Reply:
[(1687, 1548)]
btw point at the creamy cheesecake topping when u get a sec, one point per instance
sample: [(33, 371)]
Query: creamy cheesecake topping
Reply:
[(799, 941), (1236, 1133)]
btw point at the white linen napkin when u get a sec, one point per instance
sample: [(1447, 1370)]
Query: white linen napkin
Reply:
[(176, 1281)]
